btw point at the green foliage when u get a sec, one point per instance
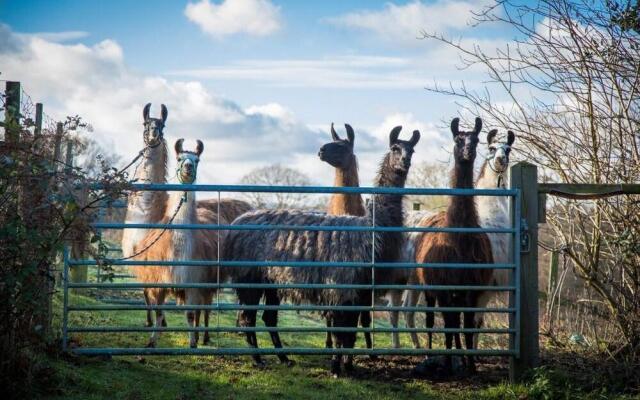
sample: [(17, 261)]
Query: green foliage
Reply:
[(42, 207)]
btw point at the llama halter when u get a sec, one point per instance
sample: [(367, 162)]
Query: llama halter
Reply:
[(147, 142)]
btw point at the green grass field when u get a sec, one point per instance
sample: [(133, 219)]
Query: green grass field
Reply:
[(160, 377)]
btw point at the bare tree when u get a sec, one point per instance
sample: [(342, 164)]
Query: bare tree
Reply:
[(428, 175), (571, 80), (277, 175)]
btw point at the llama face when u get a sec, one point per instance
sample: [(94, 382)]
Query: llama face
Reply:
[(465, 143), (339, 152), (499, 150), (401, 151), (187, 162), (153, 127)]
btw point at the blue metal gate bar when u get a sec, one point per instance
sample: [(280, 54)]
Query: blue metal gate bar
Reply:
[(286, 329), (317, 228), (286, 286), (178, 187), (245, 351), (287, 307), (513, 311), (315, 264)]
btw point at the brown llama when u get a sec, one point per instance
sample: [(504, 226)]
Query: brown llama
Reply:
[(181, 244), (441, 247)]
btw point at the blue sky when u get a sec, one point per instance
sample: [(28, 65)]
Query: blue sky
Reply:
[(271, 74)]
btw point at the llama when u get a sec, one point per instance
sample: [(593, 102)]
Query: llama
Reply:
[(339, 154), (443, 247), (323, 246), (493, 211), (180, 244), (148, 206)]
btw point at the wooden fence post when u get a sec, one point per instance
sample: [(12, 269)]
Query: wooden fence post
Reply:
[(524, 176), (12, 112), (77, 274)]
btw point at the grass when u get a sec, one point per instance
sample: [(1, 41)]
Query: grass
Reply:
[(236, 378)]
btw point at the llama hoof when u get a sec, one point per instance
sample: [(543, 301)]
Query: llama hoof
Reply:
[(206, 341), (288, 362), (164, 322), (335, 368), (348, 367)]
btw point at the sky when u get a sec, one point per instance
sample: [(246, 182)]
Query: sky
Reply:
[(258, 81)]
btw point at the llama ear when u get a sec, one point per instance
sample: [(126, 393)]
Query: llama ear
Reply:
[(454, 127), (351, 136), (178, 146), (334, 134), (145, 112), (478, 126), (511, 137), (393, 136), (165, 113), (491, 135), (199, 147), (415, 138)]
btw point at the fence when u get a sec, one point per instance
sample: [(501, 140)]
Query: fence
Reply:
[(518, 317)]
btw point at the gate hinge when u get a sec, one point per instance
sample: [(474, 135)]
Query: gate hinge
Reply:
[(525, 239)]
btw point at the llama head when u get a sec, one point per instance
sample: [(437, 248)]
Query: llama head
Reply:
[(339, 152), (465, 143), (187, 168), (401, 151), (499, 149), (153, 127)]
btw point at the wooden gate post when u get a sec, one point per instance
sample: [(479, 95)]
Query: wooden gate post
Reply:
[(12, 92), (524, 176)]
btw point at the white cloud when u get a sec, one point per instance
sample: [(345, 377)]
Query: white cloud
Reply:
[(403, 23), (252, 17), (59, 37), (100, 86), (96, 83), (354, 72)]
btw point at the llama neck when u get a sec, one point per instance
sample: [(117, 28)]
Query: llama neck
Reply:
[(388, 207), (184, 208), (182, 239), (149, 206), (462, 209), (490, 206), (346, 204)]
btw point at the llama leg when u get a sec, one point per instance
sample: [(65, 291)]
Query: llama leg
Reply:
[(469, 322), (410, 300), (365, 322), (270, 318), (483, 301), (430, 318), (156, 298), (205, 337), (449, 323), (147, 301), (191, 317), (328, 343), (247, 318), (395, 297)]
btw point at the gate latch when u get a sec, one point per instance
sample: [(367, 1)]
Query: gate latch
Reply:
[(525, 239)]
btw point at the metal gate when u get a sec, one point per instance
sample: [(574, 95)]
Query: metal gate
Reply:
[(97, 329)]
